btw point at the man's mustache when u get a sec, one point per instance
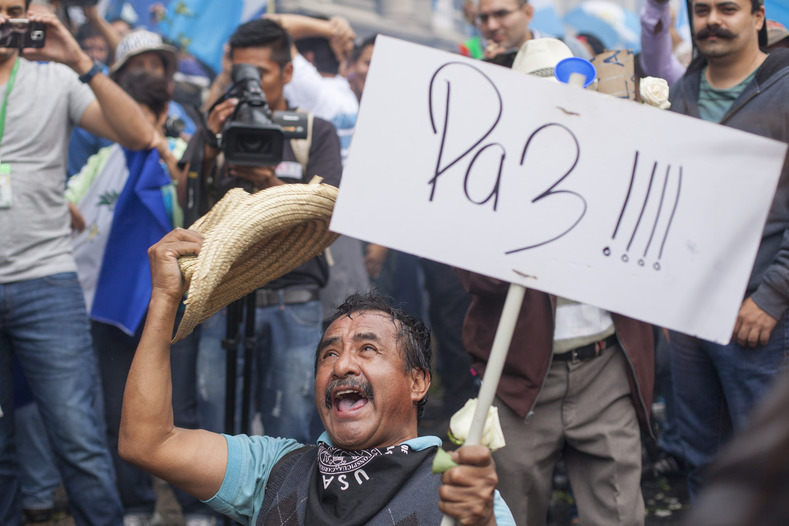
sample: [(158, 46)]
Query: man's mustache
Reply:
[(347, 383), (715, 31)]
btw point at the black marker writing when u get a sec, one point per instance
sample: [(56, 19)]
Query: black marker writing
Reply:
[(658, 214), (552, 191), (436, 82)]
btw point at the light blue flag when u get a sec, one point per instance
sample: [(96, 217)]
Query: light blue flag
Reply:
[(546, 19), (203, 26), (616, 27), (777, 10)]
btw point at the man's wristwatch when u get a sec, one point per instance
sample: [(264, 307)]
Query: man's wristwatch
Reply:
[(214, 140), (86, 77)]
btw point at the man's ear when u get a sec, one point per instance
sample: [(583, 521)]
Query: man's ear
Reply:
[(760, 18), (528, 11), (420, 384), (287, 73)]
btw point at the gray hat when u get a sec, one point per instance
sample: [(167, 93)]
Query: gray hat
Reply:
[(141, 41)]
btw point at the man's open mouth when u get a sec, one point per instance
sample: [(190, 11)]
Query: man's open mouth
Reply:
[(348, 394), (345, 400)]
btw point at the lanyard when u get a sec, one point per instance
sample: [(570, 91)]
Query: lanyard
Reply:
[(8, 89)]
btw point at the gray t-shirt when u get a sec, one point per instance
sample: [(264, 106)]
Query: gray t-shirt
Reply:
[(46, 101)]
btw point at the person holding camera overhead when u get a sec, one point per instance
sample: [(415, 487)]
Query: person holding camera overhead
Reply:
[(43, 320), (112, 264), (288, 310)]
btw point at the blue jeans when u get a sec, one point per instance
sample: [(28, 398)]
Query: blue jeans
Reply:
[(716, 387), (44, 322), (283, 372), (668, 436), (38, 472)]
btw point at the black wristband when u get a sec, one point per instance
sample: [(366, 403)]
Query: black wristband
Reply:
[(88, 76), (212, 139)]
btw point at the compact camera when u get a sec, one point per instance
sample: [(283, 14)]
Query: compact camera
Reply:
[(22, 33)]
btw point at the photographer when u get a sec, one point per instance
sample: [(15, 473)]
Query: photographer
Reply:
[(288, 313), (43, 320), (112, 263)]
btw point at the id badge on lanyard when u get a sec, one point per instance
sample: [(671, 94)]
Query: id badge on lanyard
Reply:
[(6, 197), (5, 185)]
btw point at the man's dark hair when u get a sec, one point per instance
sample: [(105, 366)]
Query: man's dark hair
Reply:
[(263, 32), (413, 336), (358, 49), (323, 57), (147, 88), (87, 30)]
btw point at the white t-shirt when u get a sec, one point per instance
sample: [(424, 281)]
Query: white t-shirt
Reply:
[(46, 101), (330, 98)]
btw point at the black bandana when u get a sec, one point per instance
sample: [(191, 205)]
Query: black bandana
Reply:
[(351, 487)]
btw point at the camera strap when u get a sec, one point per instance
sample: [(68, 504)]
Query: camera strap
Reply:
[(10, 86)]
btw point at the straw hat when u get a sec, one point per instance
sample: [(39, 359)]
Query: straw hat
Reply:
[(250, 240), (538, 56)]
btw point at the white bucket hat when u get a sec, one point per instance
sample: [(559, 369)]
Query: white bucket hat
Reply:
[(141, 41)]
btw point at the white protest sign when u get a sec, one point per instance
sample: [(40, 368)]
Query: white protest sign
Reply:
[(639, 211)]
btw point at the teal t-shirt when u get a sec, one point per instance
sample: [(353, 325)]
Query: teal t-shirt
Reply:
[(249, 463), (713, 102)]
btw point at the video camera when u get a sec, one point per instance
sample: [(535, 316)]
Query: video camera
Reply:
[(22, 33), (252, 135)]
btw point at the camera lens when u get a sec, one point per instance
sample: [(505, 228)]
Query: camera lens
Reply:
[(253, 143)]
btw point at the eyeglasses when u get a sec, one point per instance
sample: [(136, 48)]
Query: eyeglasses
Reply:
[(483, 18)]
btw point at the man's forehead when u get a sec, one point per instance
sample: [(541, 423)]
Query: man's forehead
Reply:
[(721, 3), (8, 4), (257, 52), (377, 322), (494, 5)]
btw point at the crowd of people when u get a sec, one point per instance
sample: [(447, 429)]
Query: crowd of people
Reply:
[(113, 141)]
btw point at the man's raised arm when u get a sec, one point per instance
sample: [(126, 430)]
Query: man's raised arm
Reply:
[(113, 114), (194, 460)]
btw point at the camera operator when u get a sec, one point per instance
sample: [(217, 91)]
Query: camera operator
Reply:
[(288, 313), (43, 320)]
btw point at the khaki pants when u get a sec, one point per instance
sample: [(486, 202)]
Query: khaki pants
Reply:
[(584, 412)]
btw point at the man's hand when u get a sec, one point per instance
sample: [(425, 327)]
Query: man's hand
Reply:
[(222, 111), (493, 50), (60, 45), (77, 221), (374, 259), (260, 176), (342, 38), (753, 326), (163, 256), (467, 490)]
